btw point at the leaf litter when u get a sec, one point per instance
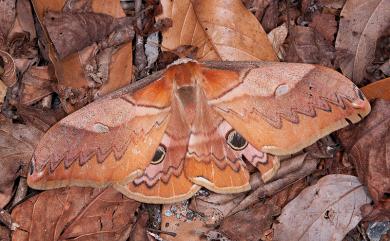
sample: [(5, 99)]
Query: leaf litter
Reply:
[(46, 75)]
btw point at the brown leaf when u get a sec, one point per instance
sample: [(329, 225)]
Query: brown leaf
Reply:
[(7, 64), (367, 145), (222, 30), (36, 84), (74, 213), (75, 87), (271, 18), (71, 32), (325, 24), (324, 211), (7, 19), (308, 46), (277, 37), (17, 143), (362, 23), (250, 224), (378, 90)]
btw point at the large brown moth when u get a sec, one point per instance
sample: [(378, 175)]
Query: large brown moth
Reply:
[(193, 125)]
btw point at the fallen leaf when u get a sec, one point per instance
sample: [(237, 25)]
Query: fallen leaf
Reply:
[(277, 37), (362, 23), (17, 143), (7, 19), (75, 87), (324, 211), (308, 46), (5, 234), (138, 231), (3, 92), (74, 213), (36, 84), (378, 90), (371, 159), (222, 30), (271, 18), (8, 75), (250, 224), (325, 24)]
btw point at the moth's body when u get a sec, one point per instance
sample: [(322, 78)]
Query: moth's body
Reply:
[(193, 126)]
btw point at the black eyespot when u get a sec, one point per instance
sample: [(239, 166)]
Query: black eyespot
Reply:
[(236, 141), (159, 155)]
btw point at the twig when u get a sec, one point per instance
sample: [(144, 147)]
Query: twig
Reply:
[(140, 57), (6, 219), (21, 192), (162, 231), (271, 188)]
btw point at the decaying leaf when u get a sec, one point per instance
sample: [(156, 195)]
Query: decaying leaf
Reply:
[(362, 23), (324, 211), (325, 24), (222, 30), (74, 213), (371, 159), (250, 224), (308, 46), (17, 143)]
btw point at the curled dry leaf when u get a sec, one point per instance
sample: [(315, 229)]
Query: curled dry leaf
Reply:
[(308, 46), (327, 210), (74, 213), (368, 147), (222, 30), (362, 23), (8, 73), (17, 143), (277, 37)]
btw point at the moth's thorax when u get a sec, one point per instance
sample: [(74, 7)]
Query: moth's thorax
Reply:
[(186, 96)]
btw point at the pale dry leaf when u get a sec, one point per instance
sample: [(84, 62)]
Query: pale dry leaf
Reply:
[(325, 211), (3, 91), (222, 30), (74, 213), (8, 74), (362, 23), (7, 19), (277, 37)]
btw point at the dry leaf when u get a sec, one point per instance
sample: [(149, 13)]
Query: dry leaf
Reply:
[(17, 143), (74, 213), (3, 92), (325, 24), (378, 90), (7, 19), (277, 37), (76, 89), (308, 46), (222, 30), (250, 224), (36, 84), (362, 23), (324, 211), (368, 147), (8, 73)]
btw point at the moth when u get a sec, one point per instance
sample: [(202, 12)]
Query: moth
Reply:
[(196, 125)]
